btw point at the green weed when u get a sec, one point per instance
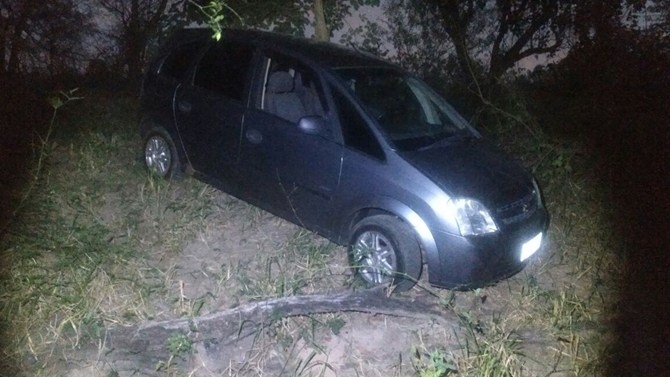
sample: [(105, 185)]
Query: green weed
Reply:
[(435, 363), (179, 347)]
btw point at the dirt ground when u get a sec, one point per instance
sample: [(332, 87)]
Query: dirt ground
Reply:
[(245, 255)]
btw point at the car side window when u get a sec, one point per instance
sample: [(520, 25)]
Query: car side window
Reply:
[(178, 61), (223, 69), (290, 90), (355, 130)]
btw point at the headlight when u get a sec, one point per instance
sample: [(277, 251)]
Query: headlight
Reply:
[(472, 217)]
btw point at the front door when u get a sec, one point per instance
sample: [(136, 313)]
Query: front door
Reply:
[(295, 173)]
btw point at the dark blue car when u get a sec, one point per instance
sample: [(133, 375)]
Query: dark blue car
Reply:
[(347, 145)]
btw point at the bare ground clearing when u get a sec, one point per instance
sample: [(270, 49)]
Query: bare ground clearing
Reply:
[(243, 258)]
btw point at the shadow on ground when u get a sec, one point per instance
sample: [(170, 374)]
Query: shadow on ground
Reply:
[(24, 113), (637, 171)]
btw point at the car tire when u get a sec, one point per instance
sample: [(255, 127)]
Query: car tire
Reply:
[(384, 251), (160, 154)]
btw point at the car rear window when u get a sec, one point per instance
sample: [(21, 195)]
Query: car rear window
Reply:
[(223, 69), (178, 61)]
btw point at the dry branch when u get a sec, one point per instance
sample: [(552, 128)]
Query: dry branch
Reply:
[(143, 345)]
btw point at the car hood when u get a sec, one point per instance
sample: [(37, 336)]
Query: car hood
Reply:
[(474, 169)]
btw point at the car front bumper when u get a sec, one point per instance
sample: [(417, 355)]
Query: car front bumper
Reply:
[(475, 261)]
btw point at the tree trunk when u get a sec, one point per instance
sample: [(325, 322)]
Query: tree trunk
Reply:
[(3, 44), (16, 44), (321, 31), (456, 17), (132, 42)]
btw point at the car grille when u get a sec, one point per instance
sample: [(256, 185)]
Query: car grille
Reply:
[(518, 210)]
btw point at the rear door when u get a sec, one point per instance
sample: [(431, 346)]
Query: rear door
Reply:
[(209, 111)]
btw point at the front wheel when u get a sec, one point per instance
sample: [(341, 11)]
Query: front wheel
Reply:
[(384, 251), (160, 154)]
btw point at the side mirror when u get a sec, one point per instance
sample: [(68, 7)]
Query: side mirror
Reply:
[(312, 125)]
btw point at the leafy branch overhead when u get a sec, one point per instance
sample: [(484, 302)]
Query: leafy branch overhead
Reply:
[(292, 17), (214, 15)]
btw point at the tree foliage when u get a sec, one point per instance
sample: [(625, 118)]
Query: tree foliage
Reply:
[(473, 44), (420, 40), (292, 17), (138, 23), (135, 24), (504, 31), (657, 21), (369, 36), (42, 36), (607, 87)]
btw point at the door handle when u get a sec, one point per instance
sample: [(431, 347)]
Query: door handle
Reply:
[(184, 106), (254, 136)]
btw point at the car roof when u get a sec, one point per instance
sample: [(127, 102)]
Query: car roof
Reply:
[(324, 53)]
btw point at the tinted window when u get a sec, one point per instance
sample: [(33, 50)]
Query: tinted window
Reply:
[(179, 60), (355, 130), (223, 69)]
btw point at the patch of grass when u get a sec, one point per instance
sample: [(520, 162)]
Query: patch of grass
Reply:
[(295, 266), (97, 237), (491, 350), (164, 214), (309, 365), (98, 241), (179, 347), (75, 256), (301, 352), (435, 363)]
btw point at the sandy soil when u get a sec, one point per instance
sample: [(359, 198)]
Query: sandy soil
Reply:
[(245, 255)]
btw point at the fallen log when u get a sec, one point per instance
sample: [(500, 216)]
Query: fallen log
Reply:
[(141, 347)]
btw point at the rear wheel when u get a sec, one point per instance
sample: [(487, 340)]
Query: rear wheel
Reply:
[(384, 251), (160, 154)]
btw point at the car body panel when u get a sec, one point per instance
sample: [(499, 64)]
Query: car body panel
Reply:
[(470, 168)]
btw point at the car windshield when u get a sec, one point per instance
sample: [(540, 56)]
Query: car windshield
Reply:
[(411, 114)]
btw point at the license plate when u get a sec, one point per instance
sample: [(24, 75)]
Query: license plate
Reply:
[(529, 248)]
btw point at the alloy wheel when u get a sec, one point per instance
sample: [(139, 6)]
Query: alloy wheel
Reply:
[(157, 155), (375, 257)]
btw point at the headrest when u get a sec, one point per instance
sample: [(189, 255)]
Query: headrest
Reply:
[(280, 82)]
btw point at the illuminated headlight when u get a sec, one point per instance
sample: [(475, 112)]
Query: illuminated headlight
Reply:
[(472, 217), (529, 248)]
